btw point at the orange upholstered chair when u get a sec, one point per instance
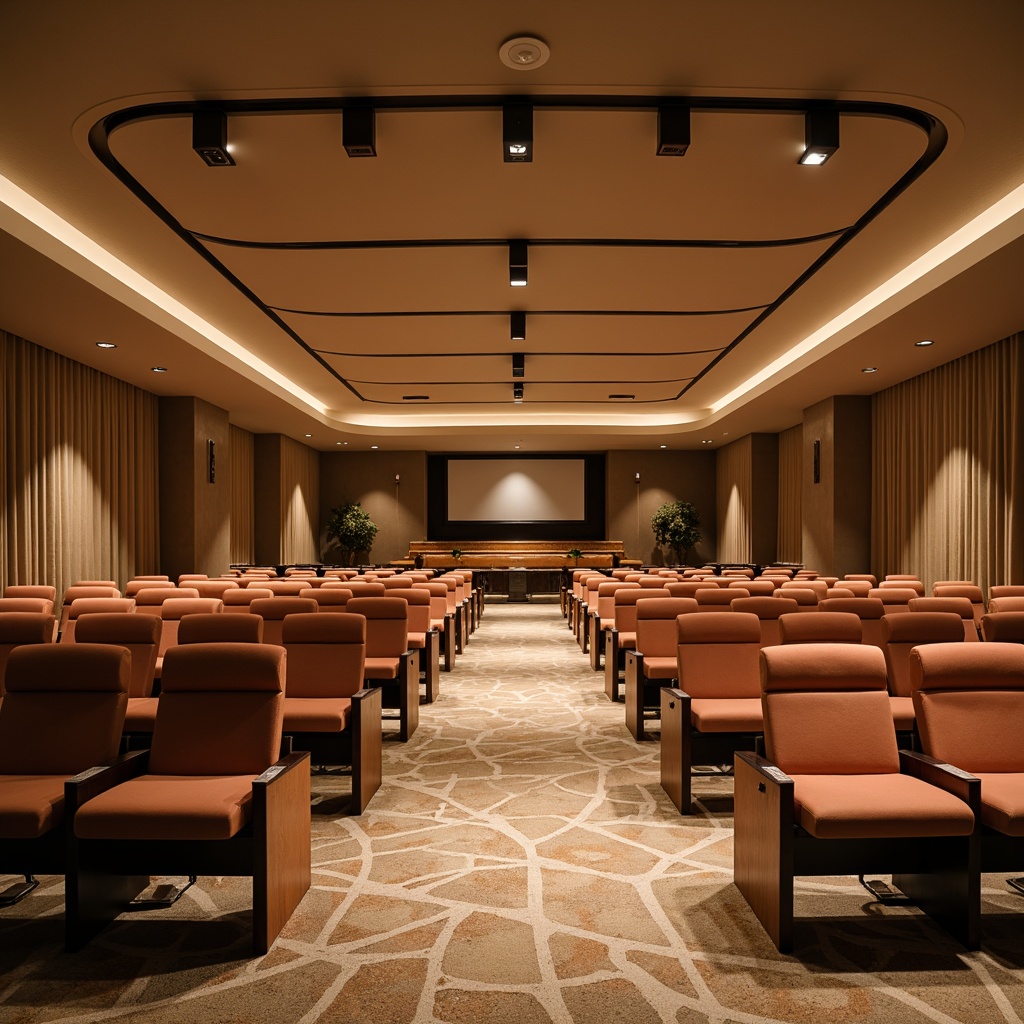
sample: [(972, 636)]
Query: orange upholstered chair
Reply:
[(237, 627), (172, 611), (902, 584), (862, 577), (716, 708), (389, 662), (273, 611), (870, 611), (329, 599), (968, 590), (961, 606), (210, 797), (807, 600), (150, 601), (284, 588), (73, 593), (652, 663), (1007, 603), (602, 617), (622, 635), (241, 598), (859, 588), (440, 619), (214, 588), (835, 796), (21, 605), (21, 628), (823, 628), (1003, 627), (326, 710), (719, 600), (132, 587), (687, 588), (969, 700), (902, 634), (93, 606), (896, 599), (62, 714), (423, 638), (768, 611), (33, 590), (140, 636)]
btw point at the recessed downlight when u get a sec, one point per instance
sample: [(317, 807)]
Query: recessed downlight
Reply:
[(870, 369), (708, 441), (923, 343), (159, 369), (663, 446), (105, 344), (374, 447), (622, 397), (415, 398), (308, 435)]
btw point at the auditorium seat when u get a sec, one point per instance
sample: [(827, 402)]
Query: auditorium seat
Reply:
[(1003, 627), (958, 605), (36, 591), (806, 600), (441, 619), (172, 611), (834, 796), (862, 576), (238, 627), (768, 611), (969, 591), (719, 599), (150, 601), (73, 593), (859, 588), (273, 610), (22, 628), (622, 636), (915, 585), (95, 606), (241, 598), (823, 628), (423, 639), (716, 708), (896, 599), (214, 588), (62, 714), (208, 798), (870, 611), (326, 709), (1006, 604), (602, 617), (329, 599)]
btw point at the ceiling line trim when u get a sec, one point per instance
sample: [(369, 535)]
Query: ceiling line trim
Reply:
[(531, 312)]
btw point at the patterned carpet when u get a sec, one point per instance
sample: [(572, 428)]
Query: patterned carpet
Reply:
[(520, 864)]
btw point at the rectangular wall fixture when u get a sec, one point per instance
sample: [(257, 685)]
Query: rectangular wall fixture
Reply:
[(517, 133), (359, 131)]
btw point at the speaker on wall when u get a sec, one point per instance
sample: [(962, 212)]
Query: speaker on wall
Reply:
[(211, 460)]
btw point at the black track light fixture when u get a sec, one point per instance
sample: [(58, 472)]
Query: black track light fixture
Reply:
[(518, 364), (517, 264), (517, 133), (359, 131), (821, 136), (673, 129), (210, 137), (517, 325), (517, 394)]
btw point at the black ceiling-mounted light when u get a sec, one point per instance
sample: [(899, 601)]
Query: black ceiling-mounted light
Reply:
[(673, 129), (517, 325), (359, 131), (210, 137), (518, 364), (821, 136), (517, 133), (517, 264), (517, 393)]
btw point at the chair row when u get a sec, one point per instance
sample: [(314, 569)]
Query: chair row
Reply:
[(834, 795)]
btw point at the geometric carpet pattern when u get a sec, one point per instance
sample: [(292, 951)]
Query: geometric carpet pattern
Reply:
[(519, 864)]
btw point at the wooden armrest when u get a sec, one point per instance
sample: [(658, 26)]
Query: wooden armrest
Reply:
[(944, 776), (93, 781), (773, 773), (285, 765)]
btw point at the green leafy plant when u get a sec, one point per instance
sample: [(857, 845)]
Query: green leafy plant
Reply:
[(456, 553), (575, 554), (675, 524), (352, 529)]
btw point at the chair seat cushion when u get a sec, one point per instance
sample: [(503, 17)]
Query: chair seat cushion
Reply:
[(30, 805), (873, 806), (726, 714), (316, 714), (1002, 802), (169, 807), (902, 713), (417, 641), (656, 667), (141, 714), (381, 668)]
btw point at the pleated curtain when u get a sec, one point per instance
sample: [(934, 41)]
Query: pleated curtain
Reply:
[(789, 544), (734, 487), (243, 532), (300, 500)]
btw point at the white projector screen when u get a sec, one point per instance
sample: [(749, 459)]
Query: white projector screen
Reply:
[(516, 490)]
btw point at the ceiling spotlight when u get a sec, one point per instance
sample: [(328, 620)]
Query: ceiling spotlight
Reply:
[(518, 363), (673, 129), (517, 264), (624, 397), (415, 398), (517, 325), (110, 344), (870, 369), (923, 343), (708, 441), (821, 136), (516, 447), (309, 435), (517, 133), (517, 394), (159, 369), (340, 442), (664, 446), (524, 53), (210, 137), (374, 447), (358, 131)]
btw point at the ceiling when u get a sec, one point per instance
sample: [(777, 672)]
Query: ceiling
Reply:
[(357, 301)]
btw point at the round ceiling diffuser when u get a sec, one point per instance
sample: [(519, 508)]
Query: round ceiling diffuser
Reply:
[(524, 53)]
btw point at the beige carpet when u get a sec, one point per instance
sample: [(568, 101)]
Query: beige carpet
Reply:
[(520, 864)]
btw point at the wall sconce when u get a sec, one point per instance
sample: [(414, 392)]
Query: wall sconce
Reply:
[(397, 478), (636, 477)]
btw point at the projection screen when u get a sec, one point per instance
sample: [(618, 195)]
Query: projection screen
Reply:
[(516, 490)]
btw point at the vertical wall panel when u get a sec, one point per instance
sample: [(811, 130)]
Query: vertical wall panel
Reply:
[(79, 471), (790, 530), (735, 496), (242, 459), (947, 465), (300, 498)]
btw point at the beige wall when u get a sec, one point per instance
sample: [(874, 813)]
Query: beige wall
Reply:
[(398, 509), (664, 476)]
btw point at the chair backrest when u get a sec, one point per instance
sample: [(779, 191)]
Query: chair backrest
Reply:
[(606, 597), (969, 703), (823, 628), (687, 588), (419, 608), (284, 588), (40, 590), (372, 588), (870, 611), (902, 576), (341, 574), (63, 709), (768, 611), (862, 577), (718, 599), (915, 585), (968, 590), (274, 609), (326, 654), (220, 710), (826, 710), (438, 599), (759, 588), (905, 632), (806, 599), (717, 654), (1006, 604), (242, 597), (174, 609), (294, 570), (626, 602), (23, 605), (19, 628), (132, 587), (820, 587), (1003, 627), (656, 631), (387, 625), (396, 582), (139, 634), (94, 606), (957, 605), (895, 599), (188, 577), (99, 583), (72, 594), (329, 599), (999, 590), (149, 577), (220, 627), (150, 601), (859, 588), (215, 588), (951, 583)]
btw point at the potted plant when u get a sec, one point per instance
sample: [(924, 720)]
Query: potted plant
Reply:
[(456, 553), (675, 524), (575, 554), (352, 529)]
